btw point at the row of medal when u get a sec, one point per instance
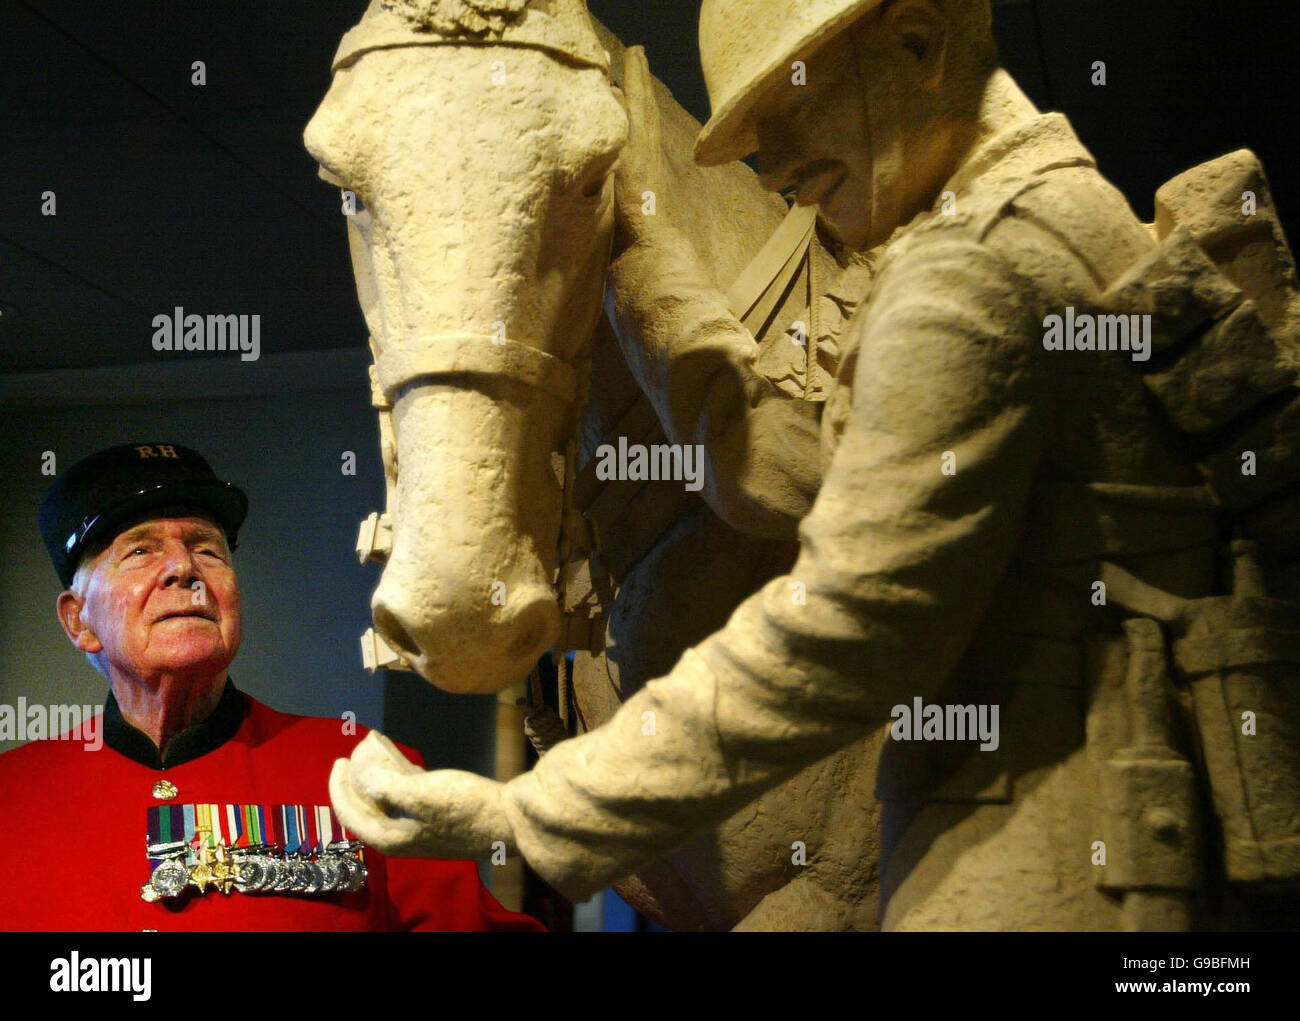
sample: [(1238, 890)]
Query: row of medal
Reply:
[(250, 849)]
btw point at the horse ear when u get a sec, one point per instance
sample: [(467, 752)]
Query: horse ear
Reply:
[(613, 46), (453, 17)]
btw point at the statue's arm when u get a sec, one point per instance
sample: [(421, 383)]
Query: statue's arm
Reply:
[(897, 566), (696, 363)]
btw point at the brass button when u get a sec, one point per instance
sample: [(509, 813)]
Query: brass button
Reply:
[(164, 790)]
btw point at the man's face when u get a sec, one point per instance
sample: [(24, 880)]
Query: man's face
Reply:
[(814, 138), (163, 598)]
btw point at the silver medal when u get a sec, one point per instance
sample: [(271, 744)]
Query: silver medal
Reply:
[(253, 872), (274, 873), (354, 873), (332, 873), (312, 877), (169, 877)]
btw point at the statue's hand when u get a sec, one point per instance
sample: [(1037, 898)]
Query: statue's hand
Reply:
[(393, 805), (640, 167)]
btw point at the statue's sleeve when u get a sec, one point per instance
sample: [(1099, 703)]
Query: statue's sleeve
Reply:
[(695, 361), (911, 532)]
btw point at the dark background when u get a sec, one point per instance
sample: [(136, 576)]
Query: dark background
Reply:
[(204, 197)]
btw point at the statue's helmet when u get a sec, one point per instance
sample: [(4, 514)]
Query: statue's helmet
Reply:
[(746, 47)]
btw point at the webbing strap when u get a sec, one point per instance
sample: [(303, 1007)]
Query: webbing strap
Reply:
[(1135, 595), (758, 289)]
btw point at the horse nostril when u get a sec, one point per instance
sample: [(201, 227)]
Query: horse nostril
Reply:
[(528, 638), (393, 632)]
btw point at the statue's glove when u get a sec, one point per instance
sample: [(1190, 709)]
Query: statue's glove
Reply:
[(393, 805), (640, 164)]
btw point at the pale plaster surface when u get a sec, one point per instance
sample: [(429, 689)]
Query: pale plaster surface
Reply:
[(956, 486)]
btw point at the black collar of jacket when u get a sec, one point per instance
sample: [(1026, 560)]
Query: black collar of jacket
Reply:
[(208, 736)]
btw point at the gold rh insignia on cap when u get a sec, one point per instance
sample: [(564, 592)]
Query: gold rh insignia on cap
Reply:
[(164, 790)]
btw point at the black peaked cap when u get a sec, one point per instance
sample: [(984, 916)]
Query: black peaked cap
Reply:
[(99, 496)]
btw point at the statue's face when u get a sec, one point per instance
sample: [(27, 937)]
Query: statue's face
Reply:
[(873, 134), (815, 138), (163, 598)]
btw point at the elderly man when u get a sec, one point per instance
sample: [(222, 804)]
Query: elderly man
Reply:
[(980, 477), (204, 809)]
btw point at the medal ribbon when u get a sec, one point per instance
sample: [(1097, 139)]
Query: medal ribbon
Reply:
[(276, 818), (311, 843), (307, 844), (292, 840), (202, 826), (190, 827), (166, 830), (247, 824), (215, 837)]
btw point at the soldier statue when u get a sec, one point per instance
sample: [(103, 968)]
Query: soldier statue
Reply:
[(1046, 532)]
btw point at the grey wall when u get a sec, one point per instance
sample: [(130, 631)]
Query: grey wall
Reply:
[(305, 597)]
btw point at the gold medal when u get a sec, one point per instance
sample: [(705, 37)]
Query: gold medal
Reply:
[(201, 872), (225, 874)]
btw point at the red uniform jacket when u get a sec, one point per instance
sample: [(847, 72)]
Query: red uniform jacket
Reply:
[(73, 832)]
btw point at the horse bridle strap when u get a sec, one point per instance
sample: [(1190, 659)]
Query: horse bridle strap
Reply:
[(470, 354)]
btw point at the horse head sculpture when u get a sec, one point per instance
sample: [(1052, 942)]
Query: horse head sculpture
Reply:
[(480, 271)]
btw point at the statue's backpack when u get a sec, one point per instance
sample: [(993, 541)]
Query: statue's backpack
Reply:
[(1221, 289)]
